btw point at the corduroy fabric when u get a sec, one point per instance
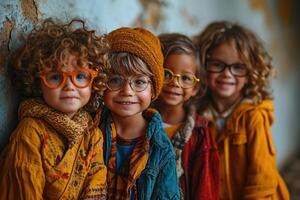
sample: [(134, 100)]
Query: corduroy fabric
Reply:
[(143, 44)]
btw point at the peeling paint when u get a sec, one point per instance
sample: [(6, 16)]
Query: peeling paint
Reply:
[(264, 7), (5, 35), (30, 10), (151, 14)]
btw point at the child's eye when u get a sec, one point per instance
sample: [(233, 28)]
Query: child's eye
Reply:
[(82, 76), (140, 81), (216, 64), (115, 81), (238, 67), (168, 75), (54, 77), (186, 77)]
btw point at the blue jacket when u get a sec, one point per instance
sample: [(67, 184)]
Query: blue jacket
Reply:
[(159, 179)]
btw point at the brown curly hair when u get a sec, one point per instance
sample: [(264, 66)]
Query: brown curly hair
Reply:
[(251, 51), (176, 43), (47, 46)]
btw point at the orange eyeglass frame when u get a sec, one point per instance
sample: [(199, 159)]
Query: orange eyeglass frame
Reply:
[(71, 75)]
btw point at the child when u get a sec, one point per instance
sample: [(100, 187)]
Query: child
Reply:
[(138, 154), (54, 153), (239, 106), (196, 154)]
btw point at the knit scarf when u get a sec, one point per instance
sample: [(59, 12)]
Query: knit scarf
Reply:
[(71, 129), (181, 137)]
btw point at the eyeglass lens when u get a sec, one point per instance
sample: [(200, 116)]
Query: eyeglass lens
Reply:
[(185, 80), (80, 78), (216, 66), (137, 83)]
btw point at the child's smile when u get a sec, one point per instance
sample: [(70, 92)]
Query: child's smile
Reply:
[(169, 93)]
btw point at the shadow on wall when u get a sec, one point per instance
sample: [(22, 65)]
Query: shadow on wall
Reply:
[(8, 107)]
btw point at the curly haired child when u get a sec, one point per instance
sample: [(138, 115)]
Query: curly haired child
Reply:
[(138, 153), (195, 151), (239, 106), (54, 153)]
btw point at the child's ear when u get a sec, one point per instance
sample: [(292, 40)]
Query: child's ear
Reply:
[(152, 96)]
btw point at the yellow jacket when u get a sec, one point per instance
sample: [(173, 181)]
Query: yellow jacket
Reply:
[(37, 164), (247, 154)]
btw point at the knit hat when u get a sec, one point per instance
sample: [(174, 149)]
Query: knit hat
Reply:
[(143, 44)]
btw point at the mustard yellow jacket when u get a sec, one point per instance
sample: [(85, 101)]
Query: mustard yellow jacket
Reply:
[(37, 164), (247, 154)]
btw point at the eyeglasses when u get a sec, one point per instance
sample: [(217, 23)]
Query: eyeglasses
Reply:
[(137, 83), (216, 66), (186, 80), (80, 77)]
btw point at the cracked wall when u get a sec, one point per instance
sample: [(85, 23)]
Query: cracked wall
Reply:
[(16, 19), (5, 37), (29, 10)]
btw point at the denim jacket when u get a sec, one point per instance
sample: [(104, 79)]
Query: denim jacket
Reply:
[(159, 179)]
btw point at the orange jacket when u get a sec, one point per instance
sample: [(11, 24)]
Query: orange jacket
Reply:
[(36, 166), (247, 154)]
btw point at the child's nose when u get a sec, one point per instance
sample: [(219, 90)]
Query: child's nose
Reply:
[(69, 84), (227, 71), (127, 89), (175, 81)]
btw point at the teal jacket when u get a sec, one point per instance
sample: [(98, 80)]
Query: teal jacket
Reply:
[(159, 179)]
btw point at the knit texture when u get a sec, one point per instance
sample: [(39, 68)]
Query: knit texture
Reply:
[(143, 44), (72, 129), (181, 138)]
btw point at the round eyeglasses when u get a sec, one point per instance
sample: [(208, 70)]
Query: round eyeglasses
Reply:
[(217, 66), (80, 77), (186, 80), (137, 83)]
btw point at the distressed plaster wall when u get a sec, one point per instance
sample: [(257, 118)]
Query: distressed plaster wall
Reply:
[(189, 17)]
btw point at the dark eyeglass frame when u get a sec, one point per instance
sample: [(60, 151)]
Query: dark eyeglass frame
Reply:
[(129, 81), (72, 74), (224, 66), (195, 79)]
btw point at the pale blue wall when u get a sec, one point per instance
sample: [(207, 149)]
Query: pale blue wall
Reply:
[(189, 17)]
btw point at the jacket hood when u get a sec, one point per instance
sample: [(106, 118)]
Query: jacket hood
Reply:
[(245, 107)]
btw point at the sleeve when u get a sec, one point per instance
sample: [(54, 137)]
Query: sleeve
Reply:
[(95, 182), (261, 182), (22, 174), (166, 185)]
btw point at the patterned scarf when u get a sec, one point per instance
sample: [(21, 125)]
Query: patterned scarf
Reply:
[(181, 137), (119, 185), (72, 129)]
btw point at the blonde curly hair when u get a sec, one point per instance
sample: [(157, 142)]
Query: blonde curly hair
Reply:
[(251, 51), (46, 48)]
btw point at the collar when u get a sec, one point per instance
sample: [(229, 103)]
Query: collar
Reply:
[(72, 129)]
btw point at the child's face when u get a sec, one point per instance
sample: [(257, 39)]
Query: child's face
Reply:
[(228, 84), (67, 97), (128, 96), (183, 85)]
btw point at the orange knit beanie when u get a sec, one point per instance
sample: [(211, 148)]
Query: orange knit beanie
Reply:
[(143, 44)]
